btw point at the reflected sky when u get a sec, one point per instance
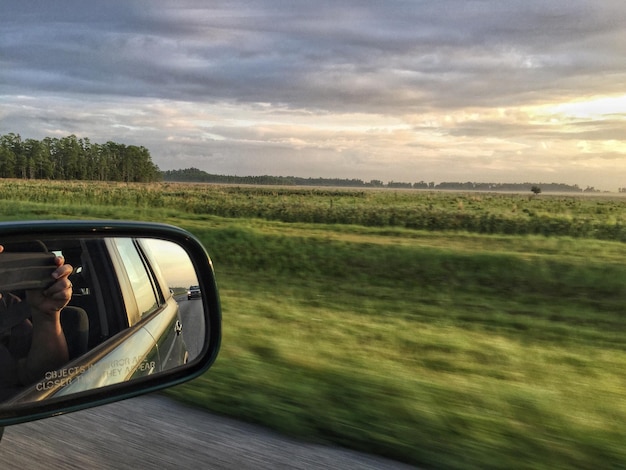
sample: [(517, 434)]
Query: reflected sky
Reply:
[(174, 262)]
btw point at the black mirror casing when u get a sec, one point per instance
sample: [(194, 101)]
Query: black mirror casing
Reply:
[(26, 408)]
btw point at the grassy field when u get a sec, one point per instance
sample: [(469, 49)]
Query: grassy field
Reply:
[(450, 345)]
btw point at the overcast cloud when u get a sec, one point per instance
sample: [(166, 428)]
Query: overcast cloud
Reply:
[(441, 90)]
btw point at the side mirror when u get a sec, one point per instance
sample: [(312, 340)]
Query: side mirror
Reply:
[(144, 314)]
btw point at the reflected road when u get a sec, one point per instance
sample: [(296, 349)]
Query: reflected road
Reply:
[(192, 318)]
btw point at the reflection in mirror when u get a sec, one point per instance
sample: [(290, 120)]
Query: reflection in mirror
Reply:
[(181, 279), (128, 309)]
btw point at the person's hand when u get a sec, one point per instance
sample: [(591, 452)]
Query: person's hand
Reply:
[(51, 300)]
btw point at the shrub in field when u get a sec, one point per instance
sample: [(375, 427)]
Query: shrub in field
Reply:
[(602, 217)]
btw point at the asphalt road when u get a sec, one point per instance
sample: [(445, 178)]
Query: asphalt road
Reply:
[(155, 432), (191, 315)]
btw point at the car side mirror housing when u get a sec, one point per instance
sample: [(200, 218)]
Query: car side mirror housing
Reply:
[(144, 314)]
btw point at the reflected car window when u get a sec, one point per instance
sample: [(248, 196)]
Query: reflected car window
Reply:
[(140, 280)]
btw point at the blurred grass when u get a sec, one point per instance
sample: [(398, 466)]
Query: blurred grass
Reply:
[(441, 349), (402, 378)]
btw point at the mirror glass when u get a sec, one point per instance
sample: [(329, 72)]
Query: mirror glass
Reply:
[(129, 307)]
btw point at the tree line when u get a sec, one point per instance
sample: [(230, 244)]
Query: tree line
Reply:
[(199, 176), (73, 158), (196, 175)]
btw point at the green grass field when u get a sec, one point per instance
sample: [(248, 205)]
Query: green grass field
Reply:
[(451, 345)]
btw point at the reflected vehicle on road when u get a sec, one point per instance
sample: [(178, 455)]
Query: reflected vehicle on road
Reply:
[(193, 292)]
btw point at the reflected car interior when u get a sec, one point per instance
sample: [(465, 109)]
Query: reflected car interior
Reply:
[(122, 322)]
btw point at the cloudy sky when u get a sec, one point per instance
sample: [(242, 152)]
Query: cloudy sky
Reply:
[(432, 90)]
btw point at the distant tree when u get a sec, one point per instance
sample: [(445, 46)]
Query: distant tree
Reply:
[(71, 158), (7, 163), (536, 189), (397, 184)]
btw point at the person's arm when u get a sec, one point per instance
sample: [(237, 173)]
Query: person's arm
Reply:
[(48, 349)]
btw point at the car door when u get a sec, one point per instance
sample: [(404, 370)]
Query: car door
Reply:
[(149, 301)]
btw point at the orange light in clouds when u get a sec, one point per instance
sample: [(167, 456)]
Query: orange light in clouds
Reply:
[(592, 108)]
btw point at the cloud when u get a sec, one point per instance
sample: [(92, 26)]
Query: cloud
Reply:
[(352, 56), (382, 89)]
